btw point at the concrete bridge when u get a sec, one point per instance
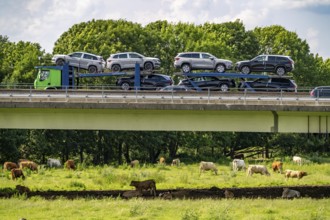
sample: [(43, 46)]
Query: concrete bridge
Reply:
[(163, 112)]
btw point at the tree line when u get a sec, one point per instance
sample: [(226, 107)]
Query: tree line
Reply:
[(118, 147), (228, 40)]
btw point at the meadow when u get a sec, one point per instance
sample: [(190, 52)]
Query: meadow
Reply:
[(166, 177)]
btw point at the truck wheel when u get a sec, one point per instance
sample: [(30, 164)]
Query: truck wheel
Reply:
[(92, 69), (280, 71), (115, 68), (224, 87), (59, 62), (148, 66), (186, 68), (245, 70), (125, 86), (220, 68)]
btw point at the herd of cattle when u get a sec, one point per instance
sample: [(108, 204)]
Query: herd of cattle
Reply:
[(17, 169), (237, 165)]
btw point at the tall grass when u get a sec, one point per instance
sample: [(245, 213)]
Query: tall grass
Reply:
[(37, 208)]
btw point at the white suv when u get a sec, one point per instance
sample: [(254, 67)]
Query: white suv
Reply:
[(127, 60), (91, 62), (201, 61)]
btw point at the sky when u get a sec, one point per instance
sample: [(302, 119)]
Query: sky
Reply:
[(43, 21)]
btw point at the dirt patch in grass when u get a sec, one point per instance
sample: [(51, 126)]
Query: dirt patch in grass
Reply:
[(316, 192)]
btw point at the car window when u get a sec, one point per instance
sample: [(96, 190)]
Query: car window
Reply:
[(281, 59), (77, 55), (205, 55), (134, 55), (187, 55), (89, 57), (195, 55), (44, 74), (259, 58), (122, 56), (210, 78), (271, 58), (262, 80), (115, 56)]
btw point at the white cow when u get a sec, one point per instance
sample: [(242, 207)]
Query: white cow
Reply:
[(205, 166), (262, 169), (238, 164), (53, 163), (290, 193), (297, 160)]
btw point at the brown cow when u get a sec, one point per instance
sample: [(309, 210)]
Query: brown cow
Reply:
[(22, 189), (228, 194), (145, 185), (134, 163), (29, 164), (277, 166), (162, 160), (16, 173), (69, 164), (9, 165), (294, 174)]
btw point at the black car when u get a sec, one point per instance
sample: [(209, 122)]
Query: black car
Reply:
[(273, 84), (321, 92), (266, 63), (208, 82), (152, 81)]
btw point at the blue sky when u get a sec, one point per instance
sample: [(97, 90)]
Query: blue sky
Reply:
[(43, 21)]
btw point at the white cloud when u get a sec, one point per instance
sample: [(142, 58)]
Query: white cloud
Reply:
[(313, 38)]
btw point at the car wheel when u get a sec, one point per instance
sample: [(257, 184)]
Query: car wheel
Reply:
[(92, 69), (224, 87), (115, 68), (148, 66), (245, 70), (186, 68), (220, 68), (280, 71), (125, 86), (60, 62)]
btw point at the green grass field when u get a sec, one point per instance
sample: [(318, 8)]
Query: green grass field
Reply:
[(166, 177), (41, 209)]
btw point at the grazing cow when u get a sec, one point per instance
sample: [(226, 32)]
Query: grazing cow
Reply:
[(277, 166), (16, 173), (205, 166), (69, 164), (22, 189), (290, 193), (131, 194), (9, 165), (294, 174), (176, 162), (162, 160), (238, 165), (297, 160), (29, 164), (166, 195), (262, 169), (228, 194), (145, 185), (134, 163), (53, 163)]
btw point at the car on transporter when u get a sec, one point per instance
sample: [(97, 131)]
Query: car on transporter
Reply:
[(208, 83), (278, 64), (271, 84), (81, 60), (127, 60), (189, 61), (148, 82)]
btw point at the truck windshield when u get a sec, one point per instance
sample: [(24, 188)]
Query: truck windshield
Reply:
[(44, 74)]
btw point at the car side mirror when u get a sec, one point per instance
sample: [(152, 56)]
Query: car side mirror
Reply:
[(211, 58)]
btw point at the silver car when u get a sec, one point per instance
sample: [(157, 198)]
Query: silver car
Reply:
[(201, 61), (127, 60), (91, 62)]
